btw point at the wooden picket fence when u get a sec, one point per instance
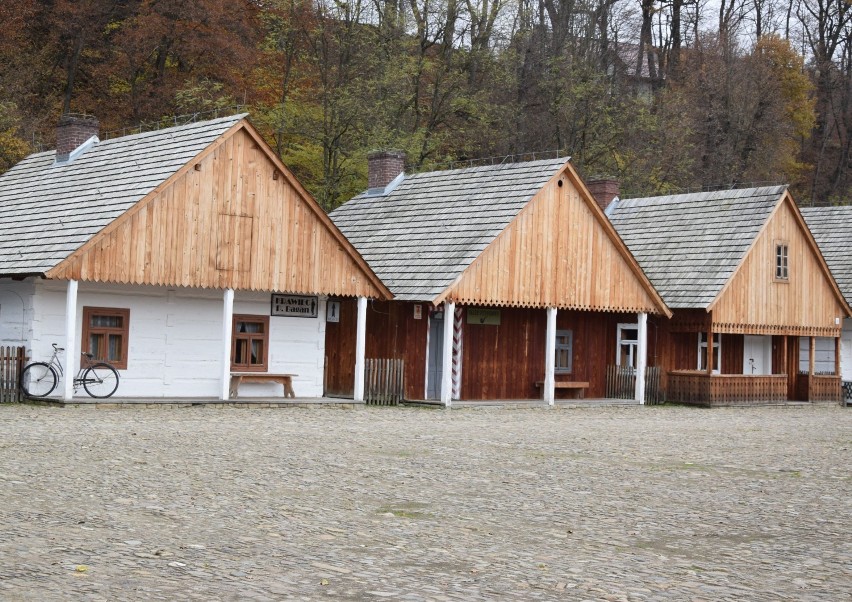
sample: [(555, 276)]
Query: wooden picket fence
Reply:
[(12, 359), (621, 383), (384, 382)]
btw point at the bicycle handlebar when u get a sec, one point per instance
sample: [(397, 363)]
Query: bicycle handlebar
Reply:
[(55, 348)]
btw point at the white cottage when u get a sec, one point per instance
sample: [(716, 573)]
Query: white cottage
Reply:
[(182, 256)]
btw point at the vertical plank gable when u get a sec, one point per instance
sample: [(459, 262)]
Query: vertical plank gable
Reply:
[(229, 223), (755, 301), (555, 253)]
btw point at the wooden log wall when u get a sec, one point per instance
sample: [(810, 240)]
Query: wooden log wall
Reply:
[(505, 361), (231, 220), (392, 333), (754, 302)]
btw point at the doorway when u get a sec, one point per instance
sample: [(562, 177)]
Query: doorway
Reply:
[(434, 365)]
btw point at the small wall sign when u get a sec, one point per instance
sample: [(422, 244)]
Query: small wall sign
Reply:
[(489, 317), (418, 312), (332, 311), (294, 306)]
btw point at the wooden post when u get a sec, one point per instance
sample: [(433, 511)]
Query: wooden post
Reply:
[(837, 357), (549, 391), (447, 356), (784, 356), (642, 357), (70, 343), (227, 335), (710, 353), (360, 349), (811, 357)]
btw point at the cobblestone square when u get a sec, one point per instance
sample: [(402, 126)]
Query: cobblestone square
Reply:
[(631, 503)]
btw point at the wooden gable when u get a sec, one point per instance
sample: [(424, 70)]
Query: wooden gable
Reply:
[(560, 251), (753, 301), (233, 217)]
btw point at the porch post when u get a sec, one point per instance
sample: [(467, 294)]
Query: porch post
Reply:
[(549, 390), (227, 335), (360, 349), (783, 355), (837, 357), (710, 353), (811, 356), (642, 359), (447, 357), (70, 345)]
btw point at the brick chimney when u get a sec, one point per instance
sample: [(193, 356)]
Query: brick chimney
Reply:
[(383, 167), (74, 130), (604, 190)]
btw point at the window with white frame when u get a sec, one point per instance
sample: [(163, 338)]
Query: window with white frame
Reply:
[(564, 351), (781, 266), (628, 345), (717, 352)]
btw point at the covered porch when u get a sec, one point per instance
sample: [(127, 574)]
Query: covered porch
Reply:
[(750, 364)]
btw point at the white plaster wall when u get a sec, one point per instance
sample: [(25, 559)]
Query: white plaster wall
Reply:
[(296, 346), (175, 342), (823, 355), (16, 312), (846, 350)]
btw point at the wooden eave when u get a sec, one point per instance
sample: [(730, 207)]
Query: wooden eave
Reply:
[(569, 172), (309, 201), (797, 215)]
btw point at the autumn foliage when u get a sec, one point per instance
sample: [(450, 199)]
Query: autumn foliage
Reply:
[(327, 81)]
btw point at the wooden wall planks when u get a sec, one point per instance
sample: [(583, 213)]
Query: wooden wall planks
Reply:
[(227, 224), (392, 333), (558, 252)]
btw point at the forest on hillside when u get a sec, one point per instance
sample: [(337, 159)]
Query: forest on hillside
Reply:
[(664, 96)]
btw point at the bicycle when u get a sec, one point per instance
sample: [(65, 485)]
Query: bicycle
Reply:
[(38, 379)]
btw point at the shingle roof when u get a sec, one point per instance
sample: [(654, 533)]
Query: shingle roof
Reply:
[(428, 230), (48, 211), (690, 244), (832, 229)]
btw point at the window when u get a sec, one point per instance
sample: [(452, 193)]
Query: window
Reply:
[(717, 352), (628, 345), (781, 266), (105, 334), (250, 343), (564, 351)]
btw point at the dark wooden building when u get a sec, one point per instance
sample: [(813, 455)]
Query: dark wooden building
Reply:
[(750, 291), (509, 283)]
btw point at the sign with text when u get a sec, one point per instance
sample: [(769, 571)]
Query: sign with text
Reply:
[(490, 317), (294, 306)]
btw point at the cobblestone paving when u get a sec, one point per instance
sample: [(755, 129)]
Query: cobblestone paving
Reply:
[(658, 503)]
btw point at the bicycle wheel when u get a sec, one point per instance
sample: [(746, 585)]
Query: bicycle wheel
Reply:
[(100, 380), (38, 380)]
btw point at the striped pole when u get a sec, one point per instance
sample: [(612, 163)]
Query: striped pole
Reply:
[(457, 353)]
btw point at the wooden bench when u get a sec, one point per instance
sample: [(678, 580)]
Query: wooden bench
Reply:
[(578, 386), (286, 381)]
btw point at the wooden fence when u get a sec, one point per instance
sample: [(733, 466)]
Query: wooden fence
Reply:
[(384, 382), (700, 388), (12, 359), (621, 383)]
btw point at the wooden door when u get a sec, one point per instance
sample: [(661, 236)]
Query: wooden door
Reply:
[(434, 366)]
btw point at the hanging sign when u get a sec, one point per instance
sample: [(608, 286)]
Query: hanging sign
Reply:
[(418, 312), (489, 317), (332, 311), (294, 306)]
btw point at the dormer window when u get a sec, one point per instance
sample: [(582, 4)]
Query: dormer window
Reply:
[(781, 266)]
